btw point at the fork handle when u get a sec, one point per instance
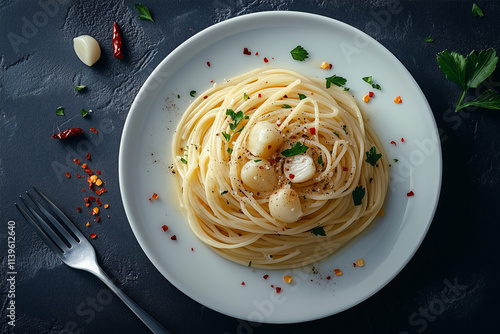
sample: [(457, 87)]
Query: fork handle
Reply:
[(148, 320)]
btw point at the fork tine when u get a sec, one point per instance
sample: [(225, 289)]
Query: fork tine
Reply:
[(38, 230), (53, 220), (62, 216)]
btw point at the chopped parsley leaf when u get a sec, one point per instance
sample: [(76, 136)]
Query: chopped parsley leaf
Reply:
[(297, 149), (476, 11), (60, 111), (81, 87), (224, 192), (429, 39), (227, 136), (302, 96), (245, 96), (336, 80), (184, 161), (336, 133), (257, 160), (286, 106), (319, 230), (299, 53), (358, 194), (369, 80), (144, 13), (192, 93), (229, 150), (372, 156), (83, 112)]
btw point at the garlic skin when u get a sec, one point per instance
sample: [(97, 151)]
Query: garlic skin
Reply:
[(264, 139), (284, 205), (299, 168), (258, 176), (87, 49)]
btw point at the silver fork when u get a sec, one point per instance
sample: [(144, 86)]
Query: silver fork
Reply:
[(74, 249)]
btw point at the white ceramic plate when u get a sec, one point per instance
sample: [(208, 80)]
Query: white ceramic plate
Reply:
[(217, 283)]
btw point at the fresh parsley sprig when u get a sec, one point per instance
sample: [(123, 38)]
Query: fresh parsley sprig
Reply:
[(297, 149), (144, 13), (470, 72), (335, 80), (357, 195), (369, 80), (372, 156)]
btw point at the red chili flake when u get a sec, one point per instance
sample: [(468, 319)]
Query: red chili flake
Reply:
[(398, 100), (242, 283), (117, 42), (93, 235), (76, 161), (208, 63), (174, 237), (278, 289), (94, 130), (402, 140), (79, 209), (291, 176), (312, 131), (269, 147), (165, 228), (260, 95), (354, 264), (98, 201), (98, 172), (328, 277), (393, 143), (68, 175), (272, 286), (370, 94), (155, 196), (88, 156), (345, 169), (246, 52), (411, 193), (206, 96), (331, 66), (265, 276), (98, 218), (266, 60), (67, 133), (192, 249)]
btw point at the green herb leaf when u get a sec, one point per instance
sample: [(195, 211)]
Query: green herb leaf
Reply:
[(178, 96), (144, 13), (236, 118), (184, 161), (372, 156), (429, 39), (336, 80), (319, 230), (83, 112), (336, 133), (476, 11), (302, 96), (469, 72), (257, 160), (489, 99), (227, 136), (60, 111), (286, 106), (299, 148), (369, 80), (81, 87), (245, 96), (192, 93), (358, 194), (395, 160), (299, 53), (320, 160), (229, 150), (249, 263), (224, 192)]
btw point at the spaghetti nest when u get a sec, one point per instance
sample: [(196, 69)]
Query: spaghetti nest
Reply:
[(276, 170)]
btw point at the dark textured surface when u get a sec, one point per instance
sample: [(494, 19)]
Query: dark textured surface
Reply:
[(451, 284)]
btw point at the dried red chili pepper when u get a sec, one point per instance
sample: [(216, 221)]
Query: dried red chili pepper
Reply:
[(117, 42), (67, 133)]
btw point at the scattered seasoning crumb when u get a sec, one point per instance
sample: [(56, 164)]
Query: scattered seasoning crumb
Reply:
[(371, 94), (266, 60), (398, 100), (246, 52), (88, 156), (360, 263), (95, 211), (174, 237), (265, 276), (394, 143), (242, 283), (410, 194), (68, 175), (324, 65), (278, 289), (88, 224), (106, 206), (192, 249), (165, 228), (154, 196), (328, 277), (337, 272), (366, 98), (288, 279), (93, 235), (79, 209), (76, 161), (208, 63), (402, 140), (94, 130)]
